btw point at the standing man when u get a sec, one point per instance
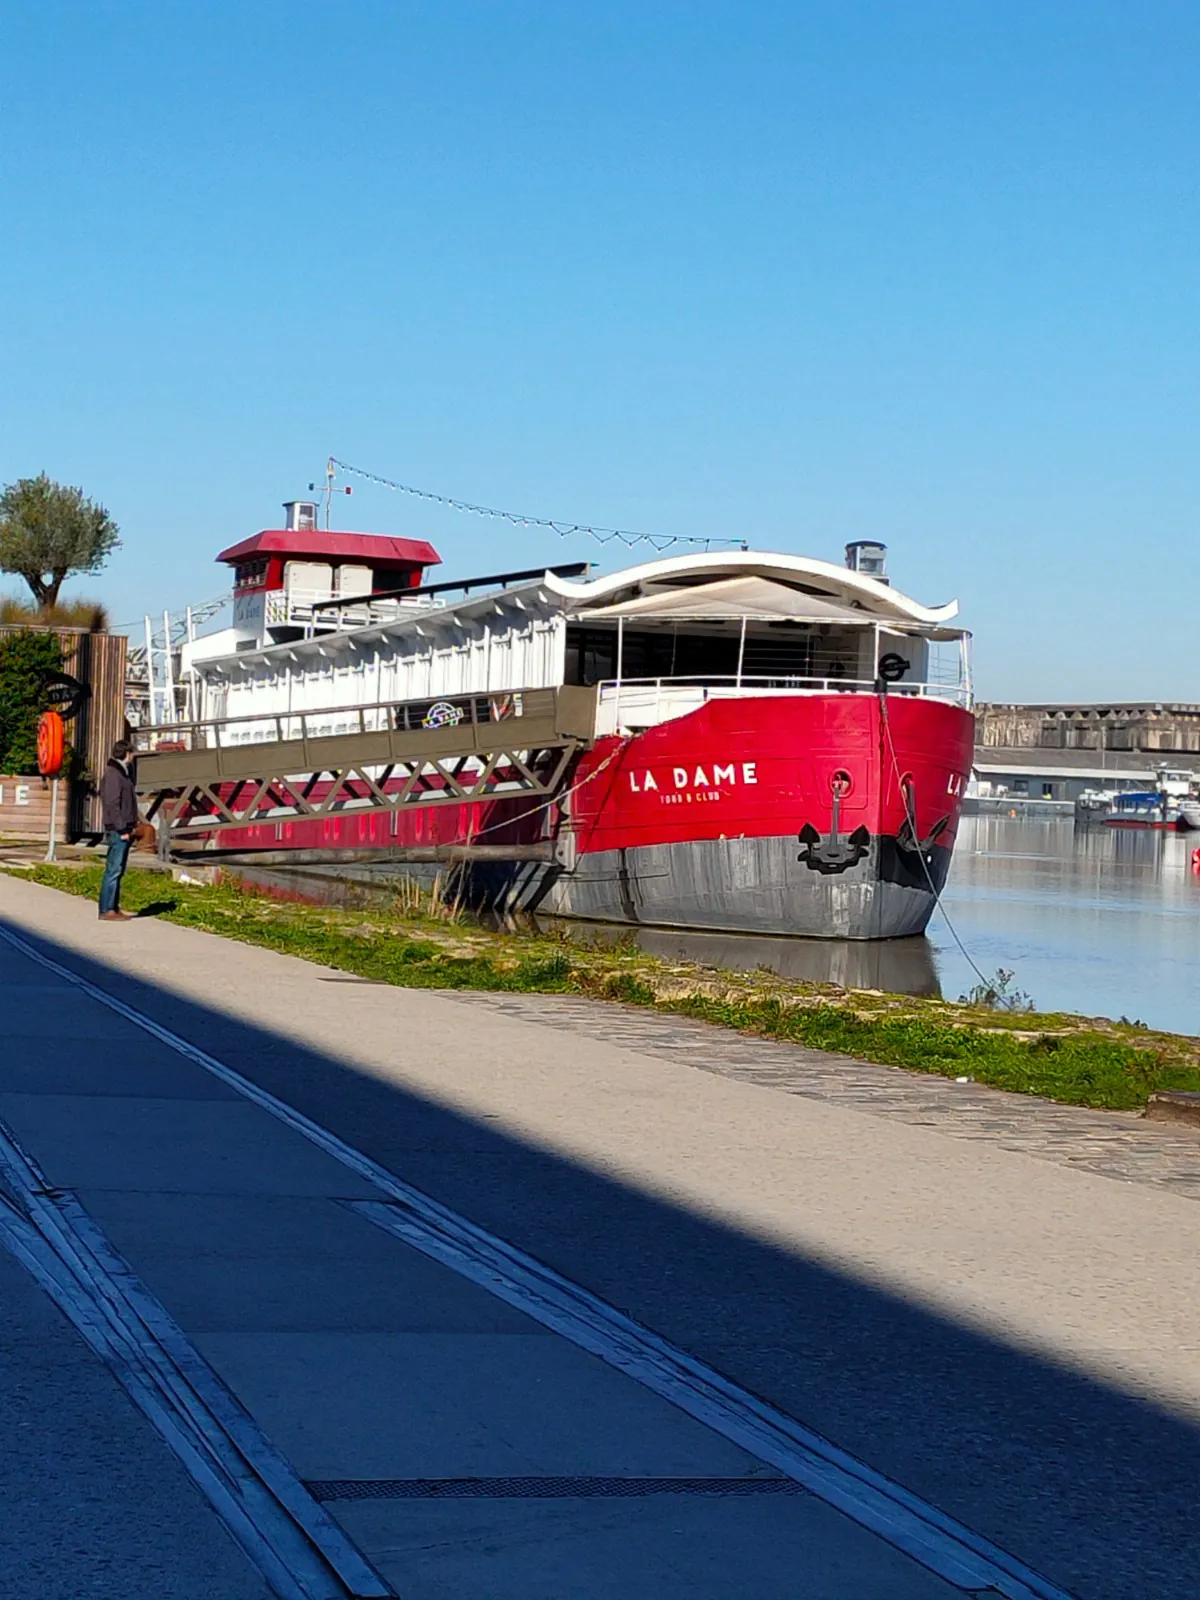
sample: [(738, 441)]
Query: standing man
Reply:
[(118, 800)]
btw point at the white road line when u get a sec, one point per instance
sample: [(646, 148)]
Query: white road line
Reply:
[(938, 1542), (43, 1264), (296, 1545)]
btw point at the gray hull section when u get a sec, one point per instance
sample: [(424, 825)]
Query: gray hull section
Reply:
[(733, 885)]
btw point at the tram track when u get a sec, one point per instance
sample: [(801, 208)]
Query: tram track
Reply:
[(300, 1550)]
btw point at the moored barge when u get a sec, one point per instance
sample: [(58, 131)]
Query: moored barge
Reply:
[(779, 744)]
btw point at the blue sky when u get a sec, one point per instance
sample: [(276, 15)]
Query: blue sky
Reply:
[(800, 273)]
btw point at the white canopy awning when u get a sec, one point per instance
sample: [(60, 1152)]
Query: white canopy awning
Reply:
[(753, 598), (837, 584)]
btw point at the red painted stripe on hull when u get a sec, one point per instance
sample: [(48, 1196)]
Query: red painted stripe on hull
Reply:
[(734, 768), (1132, 822)]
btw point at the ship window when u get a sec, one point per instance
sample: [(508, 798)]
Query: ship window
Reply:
[(591, 655), (709, 652), (649, 653), (248, 572)]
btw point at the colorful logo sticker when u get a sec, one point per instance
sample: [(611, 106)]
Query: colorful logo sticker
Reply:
[(442, 715)]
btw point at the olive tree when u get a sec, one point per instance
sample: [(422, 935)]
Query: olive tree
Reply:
[(49, 531)]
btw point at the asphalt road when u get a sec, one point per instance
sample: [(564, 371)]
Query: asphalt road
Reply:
[(93, 1505)]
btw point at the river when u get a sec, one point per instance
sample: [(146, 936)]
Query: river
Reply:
[(1103, 921)]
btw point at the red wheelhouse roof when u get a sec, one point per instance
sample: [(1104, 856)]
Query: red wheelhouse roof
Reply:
[(373, 549)]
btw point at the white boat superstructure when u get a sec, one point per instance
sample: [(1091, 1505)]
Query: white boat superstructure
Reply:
[(657, 639)]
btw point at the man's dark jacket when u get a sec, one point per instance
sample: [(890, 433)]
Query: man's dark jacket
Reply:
[(118, 799)]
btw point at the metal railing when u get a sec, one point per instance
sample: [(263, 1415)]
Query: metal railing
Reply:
[(317, 610), (784, 683), (239, 770), (340, 618), (258, 727), (643, 701), (654, 700)]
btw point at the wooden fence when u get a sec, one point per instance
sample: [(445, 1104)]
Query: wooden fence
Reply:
[(25, 808)]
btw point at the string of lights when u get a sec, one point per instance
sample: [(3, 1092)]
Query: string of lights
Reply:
[(565, 530)]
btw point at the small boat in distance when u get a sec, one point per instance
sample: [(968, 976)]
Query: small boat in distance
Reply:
[(1171, 805), (1092, 806)]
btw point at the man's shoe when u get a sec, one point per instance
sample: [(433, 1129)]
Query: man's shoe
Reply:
[(116, 916)]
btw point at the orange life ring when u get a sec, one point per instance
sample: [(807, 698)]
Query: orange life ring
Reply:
[(1196, 860), (51, 744)]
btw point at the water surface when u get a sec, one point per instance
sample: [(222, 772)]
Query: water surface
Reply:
[(1105, 921)]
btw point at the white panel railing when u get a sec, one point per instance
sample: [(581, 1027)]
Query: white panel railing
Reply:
[(645, 702), (322, 722), (314, 610)]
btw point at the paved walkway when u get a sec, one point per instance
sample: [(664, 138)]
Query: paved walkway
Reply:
[(1009, 1341), (1112, 1143)]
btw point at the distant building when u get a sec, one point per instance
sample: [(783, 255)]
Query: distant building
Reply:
[(1054, 752)]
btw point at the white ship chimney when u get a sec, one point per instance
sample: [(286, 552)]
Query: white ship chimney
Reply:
[(869, 557), (300, 516)]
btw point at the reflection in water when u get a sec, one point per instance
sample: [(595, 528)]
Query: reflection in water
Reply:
[(902, 966), (1103, 921), (314, 886)]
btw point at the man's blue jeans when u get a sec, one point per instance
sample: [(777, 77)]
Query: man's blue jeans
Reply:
[(114, 871)]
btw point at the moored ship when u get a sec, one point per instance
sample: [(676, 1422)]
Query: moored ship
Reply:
[(775, 743)]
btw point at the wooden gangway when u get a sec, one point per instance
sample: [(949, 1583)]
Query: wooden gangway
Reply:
[(197, 780)]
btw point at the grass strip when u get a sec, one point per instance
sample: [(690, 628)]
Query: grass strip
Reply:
[(1076, 1060)]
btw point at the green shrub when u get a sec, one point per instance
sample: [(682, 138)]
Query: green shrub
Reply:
[(624, 986), (24, 656), (544, 972)]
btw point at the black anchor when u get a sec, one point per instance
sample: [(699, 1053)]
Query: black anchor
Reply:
[(907, 838), (835, 854), (908, 841)]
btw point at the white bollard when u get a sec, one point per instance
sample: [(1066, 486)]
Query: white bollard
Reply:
[(53, 819)]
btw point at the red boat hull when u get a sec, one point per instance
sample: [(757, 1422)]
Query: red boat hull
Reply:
[(823, 815), (1176, 826)]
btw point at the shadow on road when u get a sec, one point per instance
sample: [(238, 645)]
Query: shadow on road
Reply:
[(1087, 1484)]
